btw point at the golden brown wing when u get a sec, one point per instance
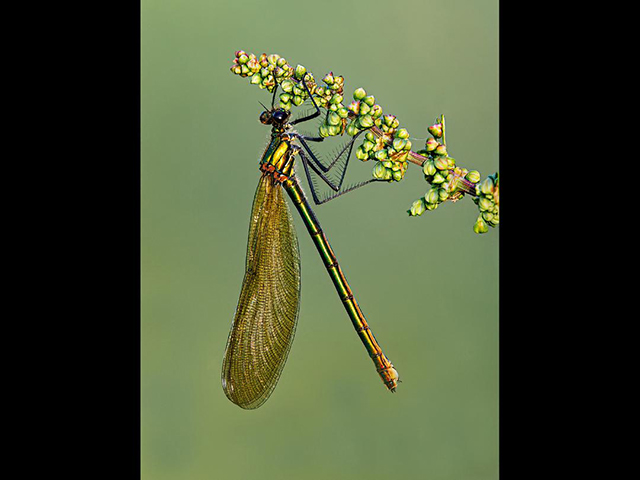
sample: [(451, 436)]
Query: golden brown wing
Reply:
[(267, 312)]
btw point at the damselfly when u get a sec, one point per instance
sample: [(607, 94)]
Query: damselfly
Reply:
[(267, 312)]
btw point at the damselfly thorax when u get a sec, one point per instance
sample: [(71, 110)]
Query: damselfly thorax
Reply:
[(278, 158)]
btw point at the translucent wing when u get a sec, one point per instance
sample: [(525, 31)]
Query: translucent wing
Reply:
[(267, 312)]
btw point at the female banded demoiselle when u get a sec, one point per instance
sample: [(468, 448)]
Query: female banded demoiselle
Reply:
[(267, 312)]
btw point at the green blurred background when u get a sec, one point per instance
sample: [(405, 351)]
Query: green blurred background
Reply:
[(428, 285)]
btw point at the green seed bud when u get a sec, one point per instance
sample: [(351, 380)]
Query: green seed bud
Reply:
[(366, 121), (369, 100), (359, 94), (285, 97), (443, 194), (480, 226), (397, 175), (370, 136), (402, 133), (324, 130), (408, 145), (287, 85), (473, 176), (431, 206), (256, 79), (441, 163), (328, 79), (376, 111), (435, 130), (299, 72), (336, 99), (352, 129), (334, 130), (379, 171), (343, 112), (298, 100), (432, 196), (487, 186), (364, 108), (417, 208), (381, 154), (452, 162), (399, 144), (438, 178), (367, 145), (253, 64), (441, 150), (387, 164), (333, 118), (431, 145), (488, 216), (429, 168), (484, 204), (388, 120), (361, 154)]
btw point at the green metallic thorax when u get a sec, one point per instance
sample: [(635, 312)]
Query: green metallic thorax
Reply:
[(278, 157)]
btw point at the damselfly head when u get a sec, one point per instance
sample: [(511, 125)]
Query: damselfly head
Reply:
[(281, 115), (277, 117)]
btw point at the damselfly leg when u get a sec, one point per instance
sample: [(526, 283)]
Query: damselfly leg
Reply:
[(309, 164), (310, 160)]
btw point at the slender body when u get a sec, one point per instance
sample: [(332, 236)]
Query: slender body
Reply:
[(267, 312), (291, 185)]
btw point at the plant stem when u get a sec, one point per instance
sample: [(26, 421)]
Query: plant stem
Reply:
[(463, 184)]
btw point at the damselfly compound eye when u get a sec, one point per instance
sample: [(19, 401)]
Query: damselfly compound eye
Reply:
[(266, 118)]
